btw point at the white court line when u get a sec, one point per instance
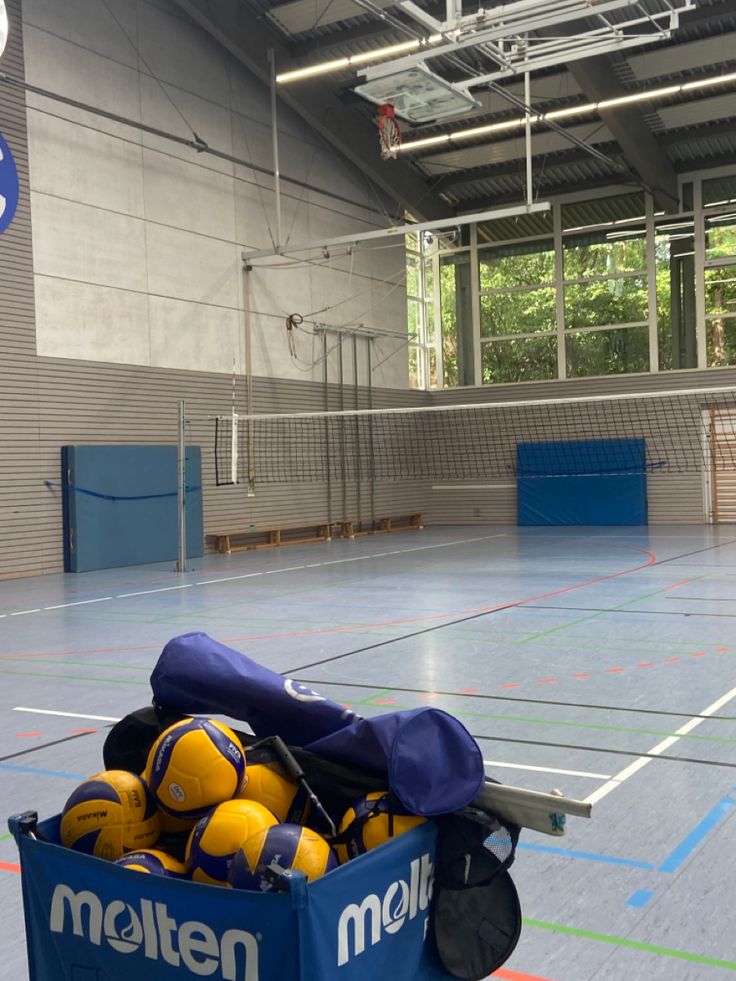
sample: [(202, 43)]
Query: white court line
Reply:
[(250, 575), (147, 592), (642, 761), (67, 715), (63, 606), (549, 769)]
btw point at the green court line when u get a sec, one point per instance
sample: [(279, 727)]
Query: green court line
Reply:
[(609, 609), (5, 838), (564, 723), (683, 955), (470, 715), (81, 664), (369, 699), (74, 677)]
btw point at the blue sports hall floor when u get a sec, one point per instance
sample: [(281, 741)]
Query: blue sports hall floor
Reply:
[(599, 661)]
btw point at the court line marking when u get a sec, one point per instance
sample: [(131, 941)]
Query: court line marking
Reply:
[(700, 832), (660, 747), (67, 715), (62, 606), (42, 773), (22, 613), (631, 944), (589, 856), (504, 974), (147, 592), (548, 769)]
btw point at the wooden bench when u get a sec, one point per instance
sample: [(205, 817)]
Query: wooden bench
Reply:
[(245, 541), (407, 522)]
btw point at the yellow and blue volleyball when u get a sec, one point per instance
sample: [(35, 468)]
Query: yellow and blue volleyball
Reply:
[(193, 766), (154, 862), (217, 837), (369, 823), (284, 846), (111, 813), (287, 800)]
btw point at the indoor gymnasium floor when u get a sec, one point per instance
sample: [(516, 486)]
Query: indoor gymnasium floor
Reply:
[(598, 661)]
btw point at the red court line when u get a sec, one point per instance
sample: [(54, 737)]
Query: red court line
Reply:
[(473, 611), (9, 867), (356, 627), (507, 975)]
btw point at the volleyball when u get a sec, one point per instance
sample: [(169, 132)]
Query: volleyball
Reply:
[(216, 838), (109, 814), (154, 862), (369, 822), (285, 799), (284, 846), (194, 765)]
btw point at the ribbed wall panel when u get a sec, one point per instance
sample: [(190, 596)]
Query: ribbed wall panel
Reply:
[(24, 527)]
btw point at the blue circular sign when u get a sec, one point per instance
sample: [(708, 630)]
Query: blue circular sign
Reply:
[(9, 185)]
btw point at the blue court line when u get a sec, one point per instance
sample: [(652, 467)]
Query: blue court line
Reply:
[(43, 773), (640, 898), (590, 856), (688, 845)]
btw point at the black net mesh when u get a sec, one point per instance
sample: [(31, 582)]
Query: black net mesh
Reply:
[(681, 433)]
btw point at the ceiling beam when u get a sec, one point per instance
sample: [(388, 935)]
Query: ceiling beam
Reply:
[(638, 145), (248, 41), (511, 167)]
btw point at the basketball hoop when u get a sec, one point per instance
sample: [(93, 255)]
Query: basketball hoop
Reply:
[(389, 132)]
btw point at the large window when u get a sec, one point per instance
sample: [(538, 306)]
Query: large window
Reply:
[(720, 289), (420, 313), (606, 307), (518, 321), (674, 247), (594, 287)]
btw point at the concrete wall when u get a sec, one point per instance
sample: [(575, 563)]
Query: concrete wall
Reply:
[(137, 240)]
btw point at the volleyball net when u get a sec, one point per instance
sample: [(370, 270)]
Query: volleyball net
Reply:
[(676, 432)]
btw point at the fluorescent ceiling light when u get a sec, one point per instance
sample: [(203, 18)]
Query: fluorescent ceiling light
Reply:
[(325, 67), (650, 95), (3, 26)]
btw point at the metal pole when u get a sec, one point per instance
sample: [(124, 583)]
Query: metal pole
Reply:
[(327, 432), (528, 134), (343, 448), (275, 139), (358, 475), (181, 562), (250, 430), (369, 351)]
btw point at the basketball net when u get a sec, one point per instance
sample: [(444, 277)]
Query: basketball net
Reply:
[(389, 132)]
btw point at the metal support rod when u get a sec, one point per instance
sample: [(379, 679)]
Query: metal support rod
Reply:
[(181, 562), (327, 432), (528, 137), (250, 433), (358, 475), (369, 352), (343, 446), (275, 141)]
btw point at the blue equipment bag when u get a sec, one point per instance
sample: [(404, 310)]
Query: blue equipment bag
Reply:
[(91, 920), (431, 763)]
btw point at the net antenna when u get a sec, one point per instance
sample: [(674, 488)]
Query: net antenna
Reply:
[(389, 132)]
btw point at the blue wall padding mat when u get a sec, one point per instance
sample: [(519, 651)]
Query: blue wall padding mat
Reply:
[(582, 482), (120, 505)]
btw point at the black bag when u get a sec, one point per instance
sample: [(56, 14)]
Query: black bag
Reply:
[(475, 907)]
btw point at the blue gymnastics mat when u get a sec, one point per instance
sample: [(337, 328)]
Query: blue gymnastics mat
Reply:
[(120, 505), (582, 482)]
